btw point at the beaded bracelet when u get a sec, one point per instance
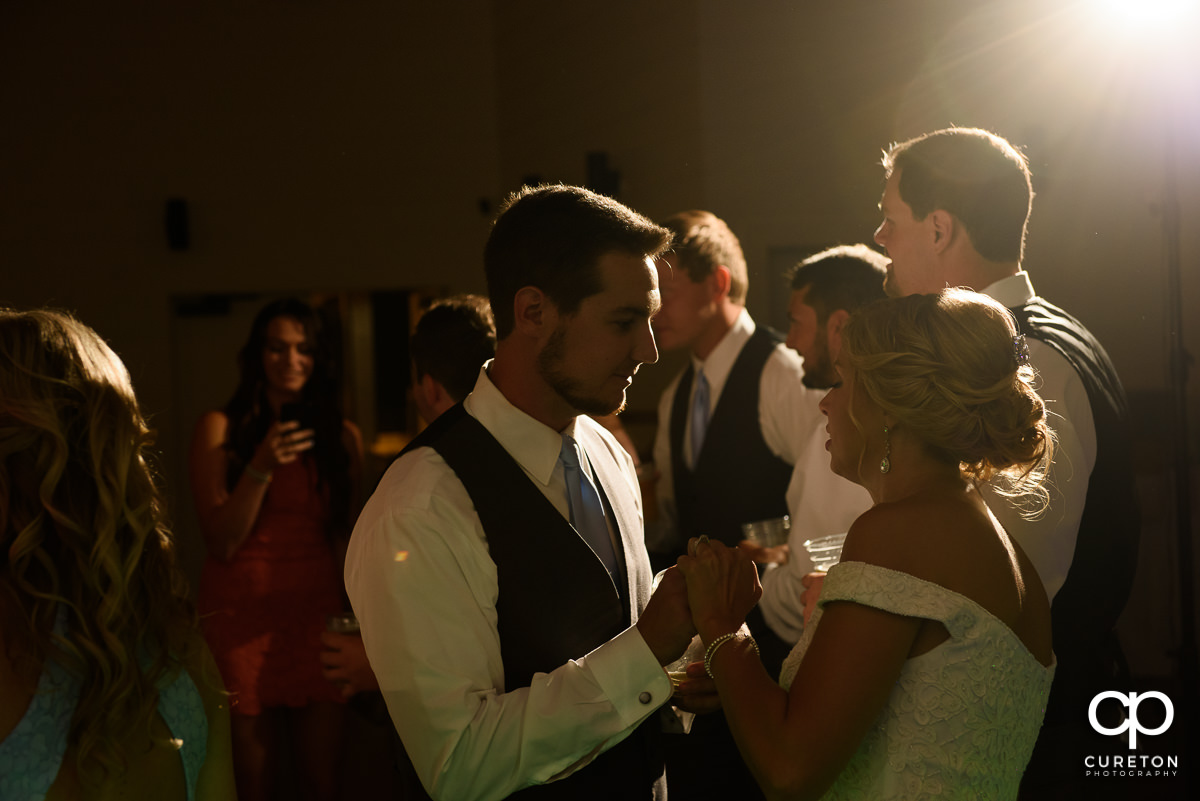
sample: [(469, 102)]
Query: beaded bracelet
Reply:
[(258, 475), (717, 643)]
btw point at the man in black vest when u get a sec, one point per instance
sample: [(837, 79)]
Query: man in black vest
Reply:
[(729, 430), (729, 424), (499, 571), (955, 209), (451, 341)]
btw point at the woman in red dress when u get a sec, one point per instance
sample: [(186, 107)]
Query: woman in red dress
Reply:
[(274, 477)]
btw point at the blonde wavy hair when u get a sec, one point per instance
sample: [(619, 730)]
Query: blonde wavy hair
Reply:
[(944, 366), (83, 527)]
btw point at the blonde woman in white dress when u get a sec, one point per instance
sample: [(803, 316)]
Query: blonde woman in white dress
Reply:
[(925, 670)]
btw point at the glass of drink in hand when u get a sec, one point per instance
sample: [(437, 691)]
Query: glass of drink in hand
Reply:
[(825, 551), (677, 670), (345, 623), (768, 533)]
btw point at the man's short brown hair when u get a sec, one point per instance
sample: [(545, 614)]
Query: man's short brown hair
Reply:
[(452, 341), (973, 174), (704, 242), (552, 237)]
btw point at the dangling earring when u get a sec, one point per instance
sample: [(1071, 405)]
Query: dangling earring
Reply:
[(886, 464)]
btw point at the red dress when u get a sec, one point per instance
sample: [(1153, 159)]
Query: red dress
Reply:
[(263, 612)]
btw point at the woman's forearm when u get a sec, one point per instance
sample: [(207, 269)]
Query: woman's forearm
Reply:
[(228, 524), (756, 708)]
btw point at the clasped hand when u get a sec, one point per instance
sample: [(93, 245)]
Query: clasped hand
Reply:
[(710, 591), (722, 586)]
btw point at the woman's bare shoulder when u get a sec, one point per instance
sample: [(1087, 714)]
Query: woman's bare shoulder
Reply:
[(920, 536), (213, 424)]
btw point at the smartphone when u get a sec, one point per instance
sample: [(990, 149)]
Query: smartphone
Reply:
[(300, 411)]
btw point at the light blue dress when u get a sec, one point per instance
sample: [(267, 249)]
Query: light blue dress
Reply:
[(963, 717), (30, 756)]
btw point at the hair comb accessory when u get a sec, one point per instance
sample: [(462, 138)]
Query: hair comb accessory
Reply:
[(1021, 349)]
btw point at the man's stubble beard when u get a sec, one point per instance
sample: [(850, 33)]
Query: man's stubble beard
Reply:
[(821, 374), (549, 365)]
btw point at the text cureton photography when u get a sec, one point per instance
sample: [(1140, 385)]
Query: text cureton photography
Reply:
[(1131, 764)]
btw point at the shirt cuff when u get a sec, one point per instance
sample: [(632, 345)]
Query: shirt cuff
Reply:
[(629, 676)]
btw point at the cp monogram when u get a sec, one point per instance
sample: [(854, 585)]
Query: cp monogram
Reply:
[(1131, 722)]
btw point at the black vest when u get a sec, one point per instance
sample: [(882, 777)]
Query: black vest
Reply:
[(737, 479), (1097, 586), (556, 601)]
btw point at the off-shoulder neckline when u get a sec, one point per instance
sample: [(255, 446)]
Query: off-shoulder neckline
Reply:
[(969, 601)]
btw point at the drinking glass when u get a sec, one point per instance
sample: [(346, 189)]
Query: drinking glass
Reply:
[(768, 533), (345, 623), (825, 551)]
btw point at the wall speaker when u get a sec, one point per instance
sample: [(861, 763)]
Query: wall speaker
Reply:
[(175, 221)]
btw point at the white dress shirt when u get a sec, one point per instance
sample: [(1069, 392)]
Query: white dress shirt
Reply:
[(1049, 540), (787, 415), (820, 503), (424, 589)]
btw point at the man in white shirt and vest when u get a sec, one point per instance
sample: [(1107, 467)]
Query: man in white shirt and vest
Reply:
[(955, 209), (729, 424), (499, 571), (730, 427)]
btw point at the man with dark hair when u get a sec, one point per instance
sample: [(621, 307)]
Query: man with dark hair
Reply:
[(452, 339), (826, 289), (729, 430), (553, 237), (499, 571), (955, 209)]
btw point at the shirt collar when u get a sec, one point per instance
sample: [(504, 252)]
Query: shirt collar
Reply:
[(533, 444), (718, 364), (1015, 290)]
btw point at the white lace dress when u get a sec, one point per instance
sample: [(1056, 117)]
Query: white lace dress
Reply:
[(962, 719)]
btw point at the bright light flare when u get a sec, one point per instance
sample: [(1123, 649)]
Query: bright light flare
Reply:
[(1148, 16), (1151, 42)]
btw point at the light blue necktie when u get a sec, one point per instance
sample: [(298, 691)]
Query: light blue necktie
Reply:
[(699, 415), (587, 510)]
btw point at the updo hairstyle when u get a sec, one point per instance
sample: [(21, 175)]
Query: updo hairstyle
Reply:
[(945, 368)]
